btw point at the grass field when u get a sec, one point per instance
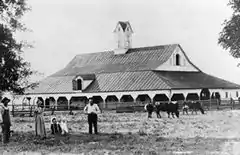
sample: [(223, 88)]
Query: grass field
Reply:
[(217, 132)]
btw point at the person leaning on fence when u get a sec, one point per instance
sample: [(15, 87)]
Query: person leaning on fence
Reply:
[(5, 120), (92, 110), (149, 108)]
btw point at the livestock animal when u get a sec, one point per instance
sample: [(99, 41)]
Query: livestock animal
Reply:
[(169, 107), (193, 106)]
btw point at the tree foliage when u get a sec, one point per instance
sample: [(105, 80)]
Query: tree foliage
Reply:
[(14, 71), (229, 37)]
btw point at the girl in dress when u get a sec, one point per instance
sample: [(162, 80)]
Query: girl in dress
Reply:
[(39, 121)]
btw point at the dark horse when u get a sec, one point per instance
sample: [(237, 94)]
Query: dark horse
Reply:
[(192, 105), (169, 107)]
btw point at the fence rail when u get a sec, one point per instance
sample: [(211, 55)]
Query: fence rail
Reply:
[(212, 104)]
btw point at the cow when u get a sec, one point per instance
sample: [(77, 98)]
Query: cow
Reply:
[(193, 106), (169, 107)]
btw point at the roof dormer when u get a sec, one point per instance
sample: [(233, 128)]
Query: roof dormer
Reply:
[(81, 82)]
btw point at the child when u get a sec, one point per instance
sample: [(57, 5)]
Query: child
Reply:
[(55, 127), (63, 125)]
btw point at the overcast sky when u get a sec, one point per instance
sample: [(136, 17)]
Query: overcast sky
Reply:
[(65, 28)]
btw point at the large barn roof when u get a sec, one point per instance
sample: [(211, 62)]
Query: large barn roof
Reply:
[(136, 59), (133, 71)]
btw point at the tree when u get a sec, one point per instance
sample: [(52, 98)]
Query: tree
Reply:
[(229, 37), (14, 71)]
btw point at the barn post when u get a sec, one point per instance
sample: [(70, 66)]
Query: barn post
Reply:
[(44, 102), (151, 95), (68, 97), (134, 96), (104, 100)]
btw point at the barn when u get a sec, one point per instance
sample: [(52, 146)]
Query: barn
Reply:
[(130, 74)]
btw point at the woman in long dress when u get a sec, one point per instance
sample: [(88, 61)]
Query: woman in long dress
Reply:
[(39, 121)]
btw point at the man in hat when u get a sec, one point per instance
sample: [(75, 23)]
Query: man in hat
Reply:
[(5, 120), (92, 110)]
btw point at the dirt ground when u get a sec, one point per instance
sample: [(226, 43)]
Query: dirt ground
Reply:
[(217, 132)]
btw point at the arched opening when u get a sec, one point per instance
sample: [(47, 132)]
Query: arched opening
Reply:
[(79, 84), (41, 99), (52, 102), (25, 103), (205, 94), (177, 97), (126, 98), (143, 99), (111, 98), (111, 102), (78, 102), (160, 97), (62, 103), (177, 59), (98, 100), (47, 103), (217, 95), (192, 97)]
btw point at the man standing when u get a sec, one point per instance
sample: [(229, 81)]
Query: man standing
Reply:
[(5, 120), (92, 110)]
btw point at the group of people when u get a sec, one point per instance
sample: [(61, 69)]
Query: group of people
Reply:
[(58, 127)]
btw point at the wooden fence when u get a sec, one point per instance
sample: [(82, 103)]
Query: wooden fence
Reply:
[(125, 107)]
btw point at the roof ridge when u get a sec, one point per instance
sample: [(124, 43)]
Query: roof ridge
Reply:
[(84, 54), (135, 48), (154, 46)]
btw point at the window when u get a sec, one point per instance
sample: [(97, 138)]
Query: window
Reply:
[(177, 60), (79, 84), (226, 94)]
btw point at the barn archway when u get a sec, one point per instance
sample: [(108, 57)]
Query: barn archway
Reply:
[(42, 100), (111, 102), (47, 103), (192, 97), (177, 97), (99, 101), (78, 102), (111, 98), (160, 97), (205, 94), (62, 103), (143, 99), (126, 98)]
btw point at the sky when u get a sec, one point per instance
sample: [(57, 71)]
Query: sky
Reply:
[(62, 29)]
